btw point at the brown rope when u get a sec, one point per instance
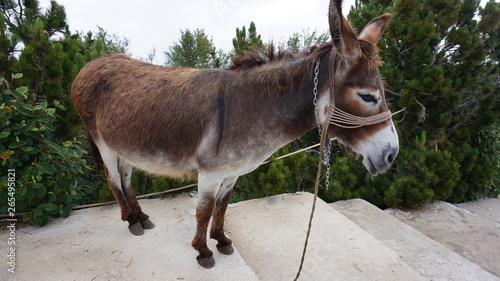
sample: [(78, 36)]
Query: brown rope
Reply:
[(313, 208), (332, 68)]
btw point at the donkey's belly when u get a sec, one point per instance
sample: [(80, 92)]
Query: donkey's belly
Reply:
[(162, 165)]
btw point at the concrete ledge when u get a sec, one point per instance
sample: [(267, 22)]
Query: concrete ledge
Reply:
[(363, 243), (270, 234), (488, 208), (474, 237), (431, 259), (94, 244)]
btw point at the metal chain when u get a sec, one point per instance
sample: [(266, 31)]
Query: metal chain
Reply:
[(326, 149), (315, 93), (326, 161), (320, 164)]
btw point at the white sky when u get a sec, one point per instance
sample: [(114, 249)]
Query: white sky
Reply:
[(157, 23)]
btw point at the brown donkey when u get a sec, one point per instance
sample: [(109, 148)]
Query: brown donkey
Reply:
[(218, 124)]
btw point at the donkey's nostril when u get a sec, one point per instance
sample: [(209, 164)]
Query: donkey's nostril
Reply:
[(390, 154), (390, 158)]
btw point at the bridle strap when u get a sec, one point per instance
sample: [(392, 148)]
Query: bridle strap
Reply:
[(333, 69), (344, 119)]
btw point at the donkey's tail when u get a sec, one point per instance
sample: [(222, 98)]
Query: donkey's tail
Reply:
[(94, 151)]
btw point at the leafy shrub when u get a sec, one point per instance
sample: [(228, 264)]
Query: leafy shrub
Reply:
[(50, 177)]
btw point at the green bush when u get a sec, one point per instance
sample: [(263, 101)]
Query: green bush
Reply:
[(482, 166), (291, 174), (143, 183), (50, 177)]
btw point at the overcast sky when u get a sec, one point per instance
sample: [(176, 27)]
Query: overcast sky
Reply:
[(157, 23)]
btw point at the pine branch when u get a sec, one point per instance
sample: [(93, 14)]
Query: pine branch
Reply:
[(392, 92)]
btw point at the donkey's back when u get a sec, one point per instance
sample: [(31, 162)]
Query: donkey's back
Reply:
[(151, 116)]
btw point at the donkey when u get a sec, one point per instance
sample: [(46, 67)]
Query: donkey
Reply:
[(218, 124)]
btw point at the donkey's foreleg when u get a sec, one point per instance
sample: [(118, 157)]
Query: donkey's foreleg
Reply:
[(224, 244), (207, 188), (138, 220)]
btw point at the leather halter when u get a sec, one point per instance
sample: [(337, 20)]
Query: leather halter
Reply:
[(344, 119)]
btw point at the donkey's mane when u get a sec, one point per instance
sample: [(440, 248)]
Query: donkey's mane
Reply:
[(271, 55), (287, 72)]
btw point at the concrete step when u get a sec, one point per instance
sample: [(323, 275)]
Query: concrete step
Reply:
[(270, 234), (488, 208), (94, 244), (474, 237), (428, 257), (363, 243)]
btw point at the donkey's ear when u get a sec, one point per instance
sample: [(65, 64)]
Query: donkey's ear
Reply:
[(343, 36), (373, 30)]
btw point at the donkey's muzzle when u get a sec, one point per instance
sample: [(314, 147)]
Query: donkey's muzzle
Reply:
[(381, 163)]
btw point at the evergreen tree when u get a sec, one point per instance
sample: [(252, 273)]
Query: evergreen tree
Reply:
[(247, 41), (41, 63), (8, 43), (195, 49), (301, 41), (103, 43), (41, 59), (36, 73), (441, 63), (49, 63), (55, 19)]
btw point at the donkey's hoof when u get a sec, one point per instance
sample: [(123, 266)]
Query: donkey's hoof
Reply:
[(207, 262), (147, 224), (226, 250), (136, 229)]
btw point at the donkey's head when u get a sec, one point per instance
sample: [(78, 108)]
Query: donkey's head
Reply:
[(358, 113)]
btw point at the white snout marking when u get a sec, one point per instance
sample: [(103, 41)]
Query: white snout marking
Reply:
[(379, 150)]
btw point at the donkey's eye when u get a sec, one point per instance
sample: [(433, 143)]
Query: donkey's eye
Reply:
[(368, 98)]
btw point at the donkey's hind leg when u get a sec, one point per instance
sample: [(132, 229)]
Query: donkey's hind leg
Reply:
[(224, 244), (118, 174), (138, 220), (111, 168)]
